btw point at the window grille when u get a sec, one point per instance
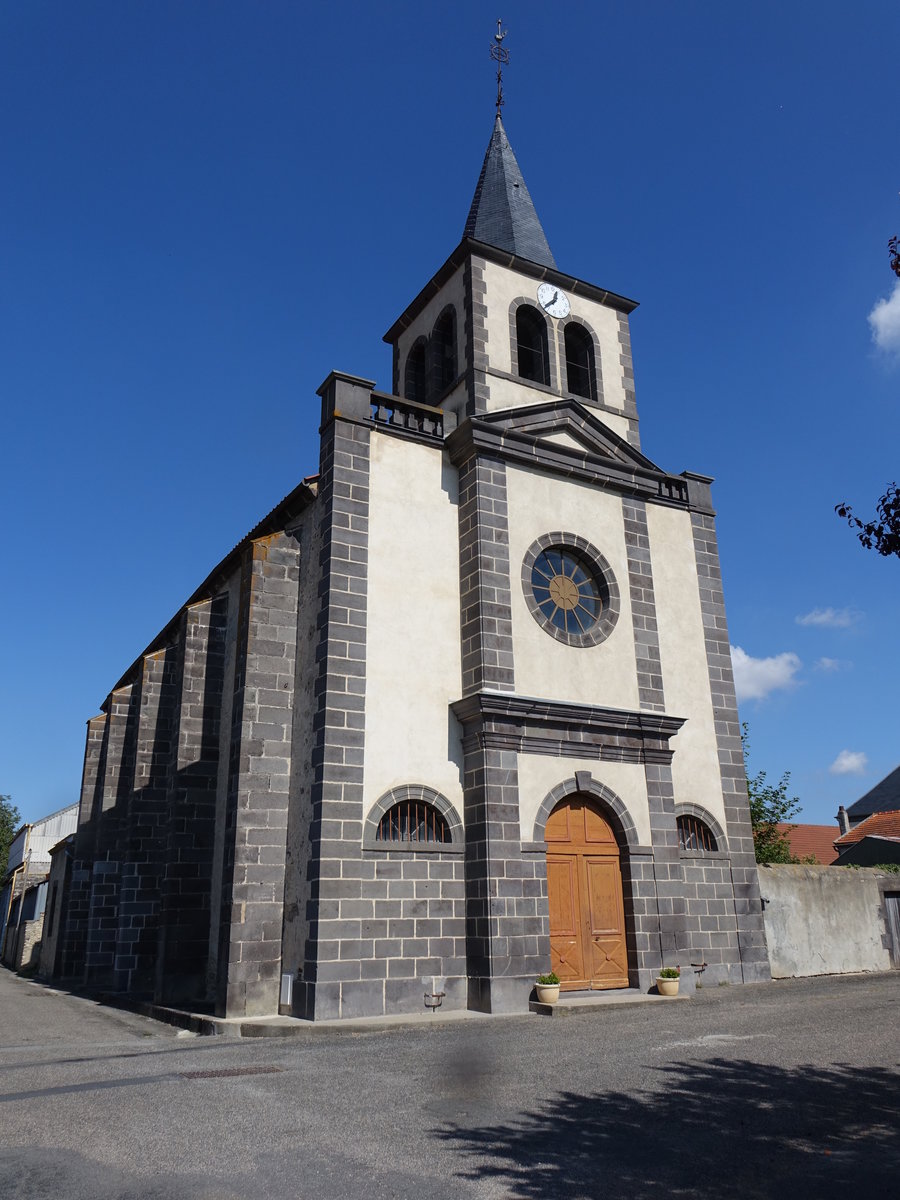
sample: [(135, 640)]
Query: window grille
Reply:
[(694, 835), (412, 821)]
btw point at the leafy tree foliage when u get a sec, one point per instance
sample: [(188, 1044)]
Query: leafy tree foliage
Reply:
[(10, 820), (882, 534), (769, 805)]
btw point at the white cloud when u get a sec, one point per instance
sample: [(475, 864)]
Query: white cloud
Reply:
[(849, 762), (829, 664), (829, 618), (885, 321), (755, 678)]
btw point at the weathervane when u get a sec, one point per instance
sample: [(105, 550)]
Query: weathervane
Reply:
[(501, 58)]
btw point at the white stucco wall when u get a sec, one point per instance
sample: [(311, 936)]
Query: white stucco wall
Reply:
[(539, 775), (507, 393), (540, 503), (413, 668), (502, 286), (682, 649)]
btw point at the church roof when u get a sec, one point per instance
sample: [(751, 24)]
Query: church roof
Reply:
[(502, 212), (884, 797)]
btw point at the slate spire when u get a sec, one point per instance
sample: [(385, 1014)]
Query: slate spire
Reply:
[(502, 212)]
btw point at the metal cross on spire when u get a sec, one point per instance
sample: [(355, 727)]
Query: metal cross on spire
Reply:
[(501, 58)]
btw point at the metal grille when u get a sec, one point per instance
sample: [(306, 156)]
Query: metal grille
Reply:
[(412, 821), (694, 835)]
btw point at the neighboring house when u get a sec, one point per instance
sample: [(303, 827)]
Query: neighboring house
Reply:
[(458, 710), (884, 797), (875, 840), (816, 841), (24, 888)]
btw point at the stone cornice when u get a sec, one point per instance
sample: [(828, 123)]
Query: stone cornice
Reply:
[(532, 726), (631, 474), (469, 247)]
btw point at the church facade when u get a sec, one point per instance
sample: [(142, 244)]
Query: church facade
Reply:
[(457, 712)]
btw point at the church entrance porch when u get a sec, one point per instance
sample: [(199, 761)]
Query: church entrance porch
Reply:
[(587, 914)]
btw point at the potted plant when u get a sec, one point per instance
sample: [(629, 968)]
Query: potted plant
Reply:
[(667, 981), (547, 988)]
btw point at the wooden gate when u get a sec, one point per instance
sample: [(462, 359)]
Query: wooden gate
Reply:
[(587, 915)]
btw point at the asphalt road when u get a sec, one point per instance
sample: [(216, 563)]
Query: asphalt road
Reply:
[(787, 1089)]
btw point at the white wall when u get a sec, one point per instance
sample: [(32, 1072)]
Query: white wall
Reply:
[(413, 668), (682, 649), (605, 674)]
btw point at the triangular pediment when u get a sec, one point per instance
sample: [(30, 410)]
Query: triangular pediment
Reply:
[(568, 426), (567, 438)]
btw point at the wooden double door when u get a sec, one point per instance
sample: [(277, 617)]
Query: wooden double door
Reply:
[(587, 914)]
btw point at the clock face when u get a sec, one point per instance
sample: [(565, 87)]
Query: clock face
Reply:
[(553, 300)]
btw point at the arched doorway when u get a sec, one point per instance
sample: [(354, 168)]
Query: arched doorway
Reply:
[(587, 913)]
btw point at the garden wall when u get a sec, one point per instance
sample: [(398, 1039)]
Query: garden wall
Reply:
[(825, 920)]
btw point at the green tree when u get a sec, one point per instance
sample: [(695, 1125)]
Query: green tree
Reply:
[(769, 806), (10, 820), (883, 532)]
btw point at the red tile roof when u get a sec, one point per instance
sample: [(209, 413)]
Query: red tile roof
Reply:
[(880, 824), (817, 840)]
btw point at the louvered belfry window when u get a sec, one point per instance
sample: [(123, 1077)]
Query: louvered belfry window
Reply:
[(694, 835), (412, 821)]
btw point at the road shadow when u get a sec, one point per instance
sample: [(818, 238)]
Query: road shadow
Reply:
[(720, 1128)]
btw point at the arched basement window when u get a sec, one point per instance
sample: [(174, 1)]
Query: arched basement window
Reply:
[(443, 349), (531, 344), (416, 373), (412, 821), (581, 373), (694, 835)]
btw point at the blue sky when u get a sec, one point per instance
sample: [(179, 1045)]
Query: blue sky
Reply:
[(208, 206)]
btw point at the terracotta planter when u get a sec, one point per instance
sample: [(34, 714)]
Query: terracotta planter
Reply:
[(667, 987), (547, 993)]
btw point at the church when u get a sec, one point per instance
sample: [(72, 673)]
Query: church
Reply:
[(457, 712)]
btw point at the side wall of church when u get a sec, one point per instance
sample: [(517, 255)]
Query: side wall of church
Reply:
[(177, 880)]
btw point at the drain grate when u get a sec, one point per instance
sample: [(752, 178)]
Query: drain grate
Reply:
[(228, 1072)]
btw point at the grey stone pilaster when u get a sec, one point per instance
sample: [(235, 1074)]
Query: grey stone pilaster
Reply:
[(337, 979), (674, 938), (627, 366), (258, 780), (193, 745), (73, 934), (643, 606), (507, 924), (475, 322), (144, 840), (118, 777), (485, 600), (747, 905)]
